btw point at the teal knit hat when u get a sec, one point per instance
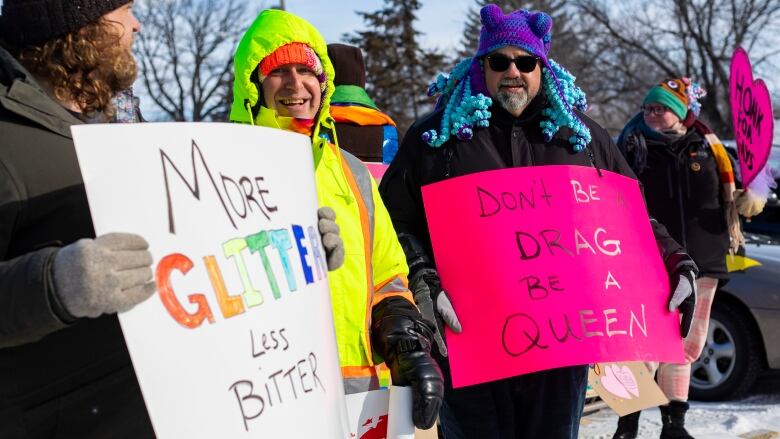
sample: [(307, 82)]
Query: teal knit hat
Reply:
[(673, 93)]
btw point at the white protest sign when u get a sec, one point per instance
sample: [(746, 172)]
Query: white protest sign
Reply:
[(239, 340)]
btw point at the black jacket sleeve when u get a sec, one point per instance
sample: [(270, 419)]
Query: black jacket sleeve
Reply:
[(401, 192), (27, 308)]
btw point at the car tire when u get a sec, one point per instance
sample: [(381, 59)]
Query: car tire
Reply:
[(733, 349)]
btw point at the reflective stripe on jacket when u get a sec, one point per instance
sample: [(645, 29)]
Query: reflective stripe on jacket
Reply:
[(374, 264)]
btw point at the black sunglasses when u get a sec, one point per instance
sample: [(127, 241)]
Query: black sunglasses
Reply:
[(500, 63)]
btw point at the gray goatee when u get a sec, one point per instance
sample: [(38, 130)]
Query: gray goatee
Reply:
[(513, 102)]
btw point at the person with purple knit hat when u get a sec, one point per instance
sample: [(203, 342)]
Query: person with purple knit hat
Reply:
[(509, 105)]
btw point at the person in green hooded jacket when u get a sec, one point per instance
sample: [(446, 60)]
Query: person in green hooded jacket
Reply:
[(284, 79)]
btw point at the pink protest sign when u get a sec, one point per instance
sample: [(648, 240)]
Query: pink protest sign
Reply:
[(549, 266), (751, 112)]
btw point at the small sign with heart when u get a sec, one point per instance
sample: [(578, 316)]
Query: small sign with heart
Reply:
[(751, 110), (626, 387)]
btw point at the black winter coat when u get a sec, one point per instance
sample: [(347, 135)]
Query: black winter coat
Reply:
[(58, 377), (684, 192), (507, 142)]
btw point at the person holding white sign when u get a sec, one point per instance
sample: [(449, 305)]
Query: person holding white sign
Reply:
[(284, 79), (508, 106), (64, 366)]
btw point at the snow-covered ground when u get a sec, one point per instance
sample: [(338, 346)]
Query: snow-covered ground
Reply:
[(759, 412)]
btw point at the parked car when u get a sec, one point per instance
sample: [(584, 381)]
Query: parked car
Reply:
[(744, 332)]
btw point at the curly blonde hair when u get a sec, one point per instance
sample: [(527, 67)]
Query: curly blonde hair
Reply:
[(87, 66)]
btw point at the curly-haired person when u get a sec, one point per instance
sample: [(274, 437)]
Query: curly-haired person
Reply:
[(64, 367)]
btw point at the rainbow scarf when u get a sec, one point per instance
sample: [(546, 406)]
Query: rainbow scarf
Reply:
[(270, 118), (726, 173), (725, 169), (296, 125)]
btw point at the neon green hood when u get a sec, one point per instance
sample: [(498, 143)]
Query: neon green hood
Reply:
[(271, 30)]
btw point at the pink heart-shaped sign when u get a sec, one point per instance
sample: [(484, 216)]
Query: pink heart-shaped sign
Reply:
[(751, 110), (626, 377), (620, 381)]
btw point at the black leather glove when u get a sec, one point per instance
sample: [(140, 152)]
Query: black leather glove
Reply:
[(403, 339), (682, 275)]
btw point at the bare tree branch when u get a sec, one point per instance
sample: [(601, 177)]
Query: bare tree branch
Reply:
[(186, 55), (679, 37)]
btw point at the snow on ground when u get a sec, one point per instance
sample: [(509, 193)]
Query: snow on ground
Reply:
[(704, 420), (721, 420)]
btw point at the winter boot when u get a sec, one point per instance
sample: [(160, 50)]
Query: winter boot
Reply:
[(628, 426), (673, 419)]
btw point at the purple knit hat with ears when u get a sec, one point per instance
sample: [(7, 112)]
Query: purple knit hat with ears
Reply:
[(527, 30), (464, 96)]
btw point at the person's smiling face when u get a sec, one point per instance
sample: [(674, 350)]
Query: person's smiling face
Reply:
[(293, 90)]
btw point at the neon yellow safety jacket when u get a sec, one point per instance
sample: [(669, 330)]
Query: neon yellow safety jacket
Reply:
[(374, 265)]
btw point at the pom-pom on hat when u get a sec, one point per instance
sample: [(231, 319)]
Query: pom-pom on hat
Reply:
[(293, 53), (464, 94), (679, 94)]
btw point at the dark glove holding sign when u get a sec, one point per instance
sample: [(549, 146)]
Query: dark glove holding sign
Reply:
[(403, 339), (682, 275), (434, 305), (433, 302)]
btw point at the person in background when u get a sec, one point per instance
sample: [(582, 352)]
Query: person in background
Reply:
[(362, 128), (689, 186), (284, 80)]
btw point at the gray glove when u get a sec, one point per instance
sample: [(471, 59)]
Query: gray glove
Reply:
[(434, 305), (329, 231), (447, 312), (109, 274), (684, 299)]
